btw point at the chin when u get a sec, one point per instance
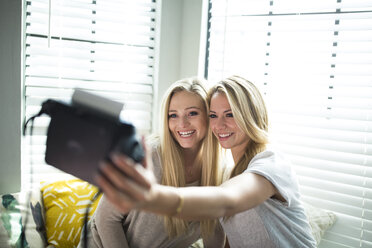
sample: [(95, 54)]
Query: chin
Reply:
[(186, 145), (224, 146)]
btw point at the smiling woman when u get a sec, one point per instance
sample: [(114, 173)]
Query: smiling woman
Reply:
[(178, 156), (188, 124)]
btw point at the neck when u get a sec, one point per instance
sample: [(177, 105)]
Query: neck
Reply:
[(237, 153), (192, 164), (189, 155)]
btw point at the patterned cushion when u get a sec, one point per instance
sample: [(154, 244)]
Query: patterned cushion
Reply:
[(320, 220), (12, 218), (65, 205)]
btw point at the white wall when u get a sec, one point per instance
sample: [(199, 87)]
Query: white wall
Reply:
[(182, 47), (193, 38), (178, 56), (10, 95)]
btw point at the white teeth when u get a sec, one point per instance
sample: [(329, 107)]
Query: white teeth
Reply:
[(186, 134), (224, 135)]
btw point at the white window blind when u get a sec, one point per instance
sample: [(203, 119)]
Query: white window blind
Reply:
[(313, 61), (106, 47)]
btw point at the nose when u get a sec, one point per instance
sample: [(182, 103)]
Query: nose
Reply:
[(184, 121), (219, 123)]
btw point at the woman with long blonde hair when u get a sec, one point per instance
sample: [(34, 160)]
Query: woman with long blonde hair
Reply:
[(180, 159), (258, 206)]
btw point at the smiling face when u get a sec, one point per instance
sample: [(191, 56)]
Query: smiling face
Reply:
[(224, 127), (187, 119)]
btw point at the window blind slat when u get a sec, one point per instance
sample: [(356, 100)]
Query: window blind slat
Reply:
[(70, 47), (83, 34), (77, 9), (323, 101), (323, 134), (340, 198), (81, 56), (57, 92), (336, 156), (72, 73), (94, 85), (340, 188), (361, 114), (321, 122), (327, 145)]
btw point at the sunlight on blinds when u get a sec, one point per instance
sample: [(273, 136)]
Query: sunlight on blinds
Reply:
[(106, 47), (312, 60)]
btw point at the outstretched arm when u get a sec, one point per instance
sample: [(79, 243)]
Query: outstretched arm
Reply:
[(129, 188)]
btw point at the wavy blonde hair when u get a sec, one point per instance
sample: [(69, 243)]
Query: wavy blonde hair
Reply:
[(250, 114), (173, 162)]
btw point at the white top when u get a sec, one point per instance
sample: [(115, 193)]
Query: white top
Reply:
[(273, 223)]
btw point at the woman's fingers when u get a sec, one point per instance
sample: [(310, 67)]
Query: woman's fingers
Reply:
[(123, 183), (126, 184)]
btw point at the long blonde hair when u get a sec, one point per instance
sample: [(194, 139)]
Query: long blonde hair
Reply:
[(173, 162), (250, 114)]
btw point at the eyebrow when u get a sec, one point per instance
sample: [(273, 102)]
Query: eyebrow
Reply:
[(223, 111), (185, 109)]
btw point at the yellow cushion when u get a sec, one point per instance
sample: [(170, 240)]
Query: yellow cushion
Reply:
[(65, 205)]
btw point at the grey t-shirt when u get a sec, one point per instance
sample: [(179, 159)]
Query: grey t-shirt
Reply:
[(273, 223)]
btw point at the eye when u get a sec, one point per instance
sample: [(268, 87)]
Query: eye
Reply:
[(212, 116), (193, 113), (229, 115), (172, 116)]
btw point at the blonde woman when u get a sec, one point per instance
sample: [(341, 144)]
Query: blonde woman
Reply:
[(259, 206), (179, 156)]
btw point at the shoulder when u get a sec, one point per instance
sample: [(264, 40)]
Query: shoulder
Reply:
[(271, 164), (270, 158), (276, 168)]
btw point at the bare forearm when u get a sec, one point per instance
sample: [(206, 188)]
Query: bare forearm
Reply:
[(161, 200), (211, 202), (205, 203), (238, 194), (198, 202)]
